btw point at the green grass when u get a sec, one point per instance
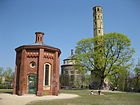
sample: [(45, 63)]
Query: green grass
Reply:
[(6, 91), (85, 99)]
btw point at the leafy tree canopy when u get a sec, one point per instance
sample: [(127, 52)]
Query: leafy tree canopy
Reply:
[(105, 55)]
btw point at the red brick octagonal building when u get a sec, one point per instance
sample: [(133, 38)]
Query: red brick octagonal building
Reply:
[(37, 69)]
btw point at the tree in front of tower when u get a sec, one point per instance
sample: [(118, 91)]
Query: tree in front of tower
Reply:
[(104, 55)]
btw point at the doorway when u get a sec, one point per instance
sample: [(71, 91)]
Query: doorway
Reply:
[(32, 83)]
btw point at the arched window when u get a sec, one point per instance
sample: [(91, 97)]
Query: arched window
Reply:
[(47, 73)]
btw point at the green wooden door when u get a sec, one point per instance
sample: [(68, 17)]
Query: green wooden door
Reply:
[(32, 82)]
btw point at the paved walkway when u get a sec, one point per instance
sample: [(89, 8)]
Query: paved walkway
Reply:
[(9, 99)]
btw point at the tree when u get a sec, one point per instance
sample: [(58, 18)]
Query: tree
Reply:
[(1, 70), (1, 74), (8, 74), (137, 76), (104, 55), (119, 80), (6, 78)]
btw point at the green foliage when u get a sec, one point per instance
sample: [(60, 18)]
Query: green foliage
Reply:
[(6, 78), (119, 80), (1, 74), (8, 72), (104, 55), (6, 91), (137, 69), (136, 79)]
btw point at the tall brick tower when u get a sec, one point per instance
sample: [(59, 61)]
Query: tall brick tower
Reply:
[(98, 21), (98, 31)]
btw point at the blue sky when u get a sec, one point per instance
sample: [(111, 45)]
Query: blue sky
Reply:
[(64, 22)]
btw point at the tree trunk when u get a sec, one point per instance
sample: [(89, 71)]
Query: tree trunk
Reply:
[(97, 81), (101, 83)]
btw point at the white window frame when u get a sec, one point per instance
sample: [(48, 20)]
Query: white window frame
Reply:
[(47, 87)]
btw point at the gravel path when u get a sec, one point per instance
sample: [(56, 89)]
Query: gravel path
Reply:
[(9, 99)]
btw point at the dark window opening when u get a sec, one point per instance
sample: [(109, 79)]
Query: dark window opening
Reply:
[(77, 72), (98, 9), (32, 64), (66, 72), (99, 31), (95, 23), (72, 72), (46, 74), (72, 77), (95, 9)]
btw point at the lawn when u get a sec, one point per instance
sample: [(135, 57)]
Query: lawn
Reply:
[(85, 99), (6, 91)]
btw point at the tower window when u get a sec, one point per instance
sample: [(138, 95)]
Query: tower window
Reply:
[(72, 72), (32, 64), (98, 9), (66, 72), (95, 17), (95, 23), (47, 74), (95, 9), (72, 77), (99, 31)]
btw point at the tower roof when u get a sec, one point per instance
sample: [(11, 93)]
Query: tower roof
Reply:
[(38, 44), (71, 57)]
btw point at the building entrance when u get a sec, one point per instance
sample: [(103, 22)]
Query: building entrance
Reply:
[(32, 82)]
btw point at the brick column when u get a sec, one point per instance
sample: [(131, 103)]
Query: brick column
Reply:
[(22, 78), (57, 73), (25, 76), (55, 82), (40, 73)]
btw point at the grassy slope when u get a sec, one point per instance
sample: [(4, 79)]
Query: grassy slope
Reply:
[(85, 99)]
